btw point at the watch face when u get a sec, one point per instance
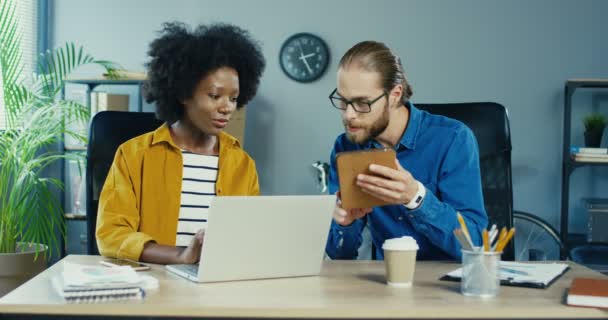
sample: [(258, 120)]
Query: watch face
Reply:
[(304, 57)]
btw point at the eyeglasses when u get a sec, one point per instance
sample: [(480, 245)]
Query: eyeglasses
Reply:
[(358, 105)]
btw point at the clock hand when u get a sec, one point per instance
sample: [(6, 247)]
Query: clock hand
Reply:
[(303, 58), (302, 55), (308, 55), (301, 50)]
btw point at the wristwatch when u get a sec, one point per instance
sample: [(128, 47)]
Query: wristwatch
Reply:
[(417, 199)]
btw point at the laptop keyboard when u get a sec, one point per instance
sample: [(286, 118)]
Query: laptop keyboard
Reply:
[(189, 268)]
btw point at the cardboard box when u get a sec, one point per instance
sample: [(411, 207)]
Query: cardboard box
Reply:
[(236, 126), (111, 102)]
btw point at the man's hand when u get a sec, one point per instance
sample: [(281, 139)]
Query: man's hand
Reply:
[(345, 217), (393, 186), (192, 253)]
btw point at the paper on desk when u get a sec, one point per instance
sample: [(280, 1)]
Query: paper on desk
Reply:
[(537, 273), (86, 275)]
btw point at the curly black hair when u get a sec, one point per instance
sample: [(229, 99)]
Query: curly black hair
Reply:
[(180, 58)]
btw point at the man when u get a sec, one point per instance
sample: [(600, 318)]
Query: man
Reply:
[(437, 162)]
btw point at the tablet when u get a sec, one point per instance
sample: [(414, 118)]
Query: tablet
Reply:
[(352, 163), (123, 262)]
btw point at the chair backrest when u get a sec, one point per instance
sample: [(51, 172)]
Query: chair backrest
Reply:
[(490, 124), (109, 129)]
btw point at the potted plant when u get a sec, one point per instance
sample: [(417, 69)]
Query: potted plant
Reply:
[(594, 129), (36, 119)]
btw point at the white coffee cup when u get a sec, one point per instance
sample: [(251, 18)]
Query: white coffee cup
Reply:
[(400, 261)]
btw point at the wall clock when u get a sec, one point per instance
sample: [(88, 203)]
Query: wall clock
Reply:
[(304, 57)]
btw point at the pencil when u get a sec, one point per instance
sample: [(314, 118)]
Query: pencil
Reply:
[(486, 243), (498, 236), (502, 244), (502, 234), (463, 225)]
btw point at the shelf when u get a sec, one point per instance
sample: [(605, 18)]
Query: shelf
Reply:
[(77, 148), (101, 81), (576, 164), (83, 95), (75, 216), (568, 163), (587, 83)]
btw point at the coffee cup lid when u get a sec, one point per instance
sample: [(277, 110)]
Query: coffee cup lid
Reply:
[(402, 243)]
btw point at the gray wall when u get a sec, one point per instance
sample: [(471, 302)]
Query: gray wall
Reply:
[(518, 53)]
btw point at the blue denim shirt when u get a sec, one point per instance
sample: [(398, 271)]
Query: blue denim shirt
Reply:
[(440, 152)]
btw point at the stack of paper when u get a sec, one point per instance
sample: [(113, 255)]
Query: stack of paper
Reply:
[(90, 284), (589, 154)]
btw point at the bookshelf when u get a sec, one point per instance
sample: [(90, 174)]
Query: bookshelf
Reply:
[(569, 165), (92, 83), (73, 197)]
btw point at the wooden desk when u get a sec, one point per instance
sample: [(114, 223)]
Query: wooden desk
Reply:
[(346, 289)]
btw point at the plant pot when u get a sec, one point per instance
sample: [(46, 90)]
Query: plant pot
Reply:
[(593, 139), (17, 268)]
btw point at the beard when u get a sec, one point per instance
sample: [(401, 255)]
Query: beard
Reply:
[(368, 133)]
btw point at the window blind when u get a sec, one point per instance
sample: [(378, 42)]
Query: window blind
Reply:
[(27, 15)]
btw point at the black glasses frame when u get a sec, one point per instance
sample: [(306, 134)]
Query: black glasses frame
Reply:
[(352, 103)]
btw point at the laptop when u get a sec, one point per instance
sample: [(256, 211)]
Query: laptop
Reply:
[(262, 237)]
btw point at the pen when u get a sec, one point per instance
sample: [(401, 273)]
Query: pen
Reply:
[(493, 237), (464, 242), (523, 273), (493, 233), (493, 229)]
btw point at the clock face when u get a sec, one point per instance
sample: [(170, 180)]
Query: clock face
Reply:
[(304, 57)]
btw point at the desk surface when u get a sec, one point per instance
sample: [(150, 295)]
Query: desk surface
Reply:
[(345, 289)]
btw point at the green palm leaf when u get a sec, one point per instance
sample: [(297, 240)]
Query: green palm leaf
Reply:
[(37, 120)]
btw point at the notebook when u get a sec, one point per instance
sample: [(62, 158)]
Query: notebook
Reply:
[(90, 284), (86, 294), (521, 274), (352, 163), (585, 292)]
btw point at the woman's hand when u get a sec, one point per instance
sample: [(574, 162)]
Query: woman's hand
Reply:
[(162, 254), (192, 253)]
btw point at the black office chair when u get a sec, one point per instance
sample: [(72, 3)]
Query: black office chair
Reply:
[(490, 125), (109, 129), (535, 239)]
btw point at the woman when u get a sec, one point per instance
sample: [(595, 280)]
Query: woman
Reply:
[(154, 203)]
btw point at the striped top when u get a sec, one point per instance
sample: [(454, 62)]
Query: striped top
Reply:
[(198, 189)]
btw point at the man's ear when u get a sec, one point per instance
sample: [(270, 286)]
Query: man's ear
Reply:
[(395, 94)]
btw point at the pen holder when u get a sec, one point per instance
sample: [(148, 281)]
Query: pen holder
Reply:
[(480, 273)]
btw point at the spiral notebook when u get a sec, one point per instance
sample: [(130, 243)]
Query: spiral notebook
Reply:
[(91, 284), (87, 294), (521, 274)]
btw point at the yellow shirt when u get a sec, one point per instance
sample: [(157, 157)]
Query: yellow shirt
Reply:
[(140, 199)]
